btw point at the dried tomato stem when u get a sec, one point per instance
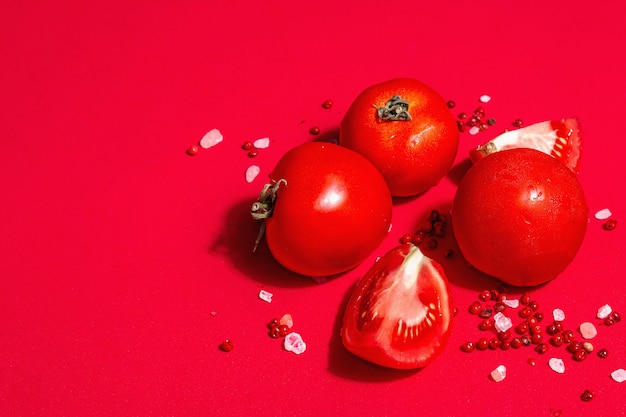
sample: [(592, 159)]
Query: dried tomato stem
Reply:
[(396, 108), (263, 208)]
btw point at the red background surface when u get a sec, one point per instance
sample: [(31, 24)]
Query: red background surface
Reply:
[(117, 246)]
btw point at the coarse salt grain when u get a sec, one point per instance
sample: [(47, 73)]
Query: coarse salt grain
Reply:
[(557, 365), (287, 320), (619, 375), (499, 373), (266, 296), (511, 303), (474, 130), (558, 314), (604, 311), (261, 143), (588, 330), (603, 214), (252, 172), (211, 138), (501, 322), (485, 98), (293, 343)]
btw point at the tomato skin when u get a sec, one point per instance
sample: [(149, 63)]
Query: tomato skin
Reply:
[(333, 211), (400, 313), (519, 215), (412, 155)]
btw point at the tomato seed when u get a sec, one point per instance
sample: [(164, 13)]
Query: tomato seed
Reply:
[(314, 130), (491, 121), (610, 224), (227, 345)]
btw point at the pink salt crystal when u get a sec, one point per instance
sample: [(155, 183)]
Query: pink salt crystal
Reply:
[(511, 303), (266, 296), (287, 320), (557, 365), (484, 98), (588, 330), (558, 314), (619, 375), (213, 313), (211, 138), (294, 343), (252, 172), (261, 143), (603, 214), (474, 130), (604, 311), (501, 322), (499, 373)]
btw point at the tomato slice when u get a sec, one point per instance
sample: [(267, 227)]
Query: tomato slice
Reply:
[(560, 139), (400, 313)]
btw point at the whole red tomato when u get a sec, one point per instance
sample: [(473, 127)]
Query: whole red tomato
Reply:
[(400, 313), (406, 130), (330, 208), (519, 215)]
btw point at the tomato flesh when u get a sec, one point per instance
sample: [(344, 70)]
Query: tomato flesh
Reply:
[(560, 139), (400, 313), (520, 216), (332, 209), (412, 154)]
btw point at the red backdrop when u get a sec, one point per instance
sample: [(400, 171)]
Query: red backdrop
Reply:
[(125, 262)]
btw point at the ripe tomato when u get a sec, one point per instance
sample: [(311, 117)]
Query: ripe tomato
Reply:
[(560, 139), (400, 312), (331, 209), (406, 130), (519, 215)]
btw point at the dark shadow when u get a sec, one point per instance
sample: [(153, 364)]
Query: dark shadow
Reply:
[(236, 242), (331, 136), (457, 172), (345, 365)]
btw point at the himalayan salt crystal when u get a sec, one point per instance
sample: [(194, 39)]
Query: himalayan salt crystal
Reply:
[(474, 130), (213, 313), (558, 314), (293, 343), (211, 138), (604, 311), (252, 172), (499, 373), (501, 322), (485, 98), (603, 214), (261, 143), (266, 296), (588, 330), (287, 320), (619, 375), (511, 303), (557, 365)]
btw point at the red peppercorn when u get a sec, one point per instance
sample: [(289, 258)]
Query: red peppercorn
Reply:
[(283, 330), (274, 332), (327, 104), (580, 355), (485, 313), (574, 346), (522, 327), (587, 395), (568, 336), (468, 347), (531, 361), (525, 340), (532, 321), (499, 307), (314, 130), (616, 317), (451, 104), (534, 305), (494, 343), (541, 348), (193, 150), (462, 115), (536, 329), (491, 121), (536, 338), (406, 238), (418, 238), (538, 316), (495, 295), (486, 324), (505, 345), (460, 126), (603, 353), (272, 324), (518, 123), (432, 243), (610, 224), (227, 345), (246, 146), (253, 153), (557, 339), (516, 343), (475, 308), (505, 335), (482, 344), (480, 112)]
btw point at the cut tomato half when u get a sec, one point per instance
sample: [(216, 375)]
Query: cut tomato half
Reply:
[(560, 139), (400, 314)]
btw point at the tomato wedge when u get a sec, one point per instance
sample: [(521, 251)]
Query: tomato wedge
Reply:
[(560, 139), (400, 313)]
